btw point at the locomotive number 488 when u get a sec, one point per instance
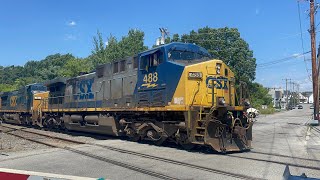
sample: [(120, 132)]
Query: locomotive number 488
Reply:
[(150, 78)]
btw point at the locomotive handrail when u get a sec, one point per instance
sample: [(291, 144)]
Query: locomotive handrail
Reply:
[(203, 97), (194, 93)]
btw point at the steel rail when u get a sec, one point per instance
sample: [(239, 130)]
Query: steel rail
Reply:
[(117, 163), (207, 169), (180, 163)]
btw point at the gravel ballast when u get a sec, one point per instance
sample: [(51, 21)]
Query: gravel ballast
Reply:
[(10, 143)]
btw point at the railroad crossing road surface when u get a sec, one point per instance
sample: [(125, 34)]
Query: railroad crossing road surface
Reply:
[(279, 139)]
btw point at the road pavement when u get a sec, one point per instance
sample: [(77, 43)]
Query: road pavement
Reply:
[(279, 139)]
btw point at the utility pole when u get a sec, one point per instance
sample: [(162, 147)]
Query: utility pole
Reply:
[(314, 63), (290, 89), (298, 93), (293, 95), (287, 105)]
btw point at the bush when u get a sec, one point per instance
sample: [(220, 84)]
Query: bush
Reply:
[(267, 111)]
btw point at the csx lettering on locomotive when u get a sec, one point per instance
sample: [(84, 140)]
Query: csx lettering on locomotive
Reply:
[(220, 83)]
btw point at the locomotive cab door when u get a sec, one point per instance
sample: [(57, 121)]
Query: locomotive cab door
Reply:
[(151, 92)]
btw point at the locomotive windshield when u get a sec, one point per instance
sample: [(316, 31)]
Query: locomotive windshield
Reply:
[(187, 56)]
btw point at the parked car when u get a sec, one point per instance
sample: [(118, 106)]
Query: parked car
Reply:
[(300, 106), (311, 107), (253, 112)]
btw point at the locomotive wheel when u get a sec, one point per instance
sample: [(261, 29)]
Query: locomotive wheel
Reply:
[(133, 136)]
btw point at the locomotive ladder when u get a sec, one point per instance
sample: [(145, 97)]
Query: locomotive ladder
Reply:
[(200, 127)]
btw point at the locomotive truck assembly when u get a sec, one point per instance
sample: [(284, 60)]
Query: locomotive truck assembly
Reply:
[(175, 92)]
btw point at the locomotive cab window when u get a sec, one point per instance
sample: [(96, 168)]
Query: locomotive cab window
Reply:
[(135, 62), (151, 60), (4, 100), (122, 66), (115, 67)]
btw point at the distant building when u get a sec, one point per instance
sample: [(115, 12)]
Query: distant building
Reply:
[(310, 99), (308, 95), (277, 97), (302, 98)]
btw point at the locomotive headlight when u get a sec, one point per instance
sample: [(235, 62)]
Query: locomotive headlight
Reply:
[(195, 75), (218, 68), (221, 101)]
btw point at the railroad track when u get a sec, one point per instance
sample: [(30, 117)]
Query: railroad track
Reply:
[(132, 167), (13, 131)]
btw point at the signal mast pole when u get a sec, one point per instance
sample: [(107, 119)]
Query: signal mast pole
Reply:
[(314, 63)]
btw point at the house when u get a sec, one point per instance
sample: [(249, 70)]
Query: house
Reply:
[(277, 95), (302, 98), (310, 98)]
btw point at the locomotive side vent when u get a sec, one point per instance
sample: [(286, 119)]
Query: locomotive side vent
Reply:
[(143, 99), (158, 98)]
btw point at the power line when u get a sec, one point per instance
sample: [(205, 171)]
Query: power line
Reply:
[(280, 60)]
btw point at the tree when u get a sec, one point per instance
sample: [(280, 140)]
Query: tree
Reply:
[(259, 95), (6, 87), (21, 82), (98, 52), (132, 43), (128, 46), (227, 45), (75, 66)]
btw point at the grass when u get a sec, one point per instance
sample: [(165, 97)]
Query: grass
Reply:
[(267, 111)]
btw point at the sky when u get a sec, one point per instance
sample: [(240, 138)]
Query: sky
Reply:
[(34, 29)]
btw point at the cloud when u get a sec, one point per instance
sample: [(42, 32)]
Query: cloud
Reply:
[(70, 37), (257, 11), (297, 55), (71, 23)]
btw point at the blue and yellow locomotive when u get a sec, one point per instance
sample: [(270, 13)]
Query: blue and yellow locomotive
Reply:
[(175, 92), (19, 106)]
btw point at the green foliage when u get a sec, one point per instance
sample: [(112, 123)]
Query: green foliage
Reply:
[(98, 53), (15, 77), (128, 46), (294, 99), (6, 87), (75, 66), (267, 111), (259, 95), (227, 45)]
